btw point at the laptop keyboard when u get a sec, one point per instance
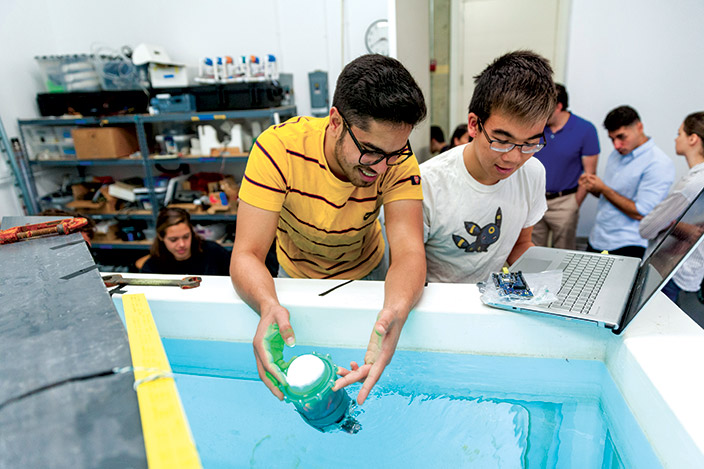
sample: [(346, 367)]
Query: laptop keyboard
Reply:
[(582, 278)]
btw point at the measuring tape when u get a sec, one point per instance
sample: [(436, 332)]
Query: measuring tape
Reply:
[(167, 436)]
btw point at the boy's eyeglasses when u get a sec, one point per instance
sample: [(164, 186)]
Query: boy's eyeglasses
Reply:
[(505, 147), (372, 157)]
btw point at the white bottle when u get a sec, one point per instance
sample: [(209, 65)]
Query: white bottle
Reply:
[(241, 68), (208, 139), (256, 69), (236, 137), (206, 71), (271, 72)]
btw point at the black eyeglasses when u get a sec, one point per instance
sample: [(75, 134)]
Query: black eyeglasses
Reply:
[(372, 157), (505, 147)]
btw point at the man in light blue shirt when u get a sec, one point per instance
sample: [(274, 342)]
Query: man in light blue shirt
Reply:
[(638, 176)]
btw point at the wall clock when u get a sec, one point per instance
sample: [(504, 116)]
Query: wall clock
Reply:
[(377, 37)]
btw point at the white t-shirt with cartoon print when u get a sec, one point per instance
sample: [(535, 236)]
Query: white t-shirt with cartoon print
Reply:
[(470, 228)]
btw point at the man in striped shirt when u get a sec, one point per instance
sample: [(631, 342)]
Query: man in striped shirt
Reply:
[(316, 185)]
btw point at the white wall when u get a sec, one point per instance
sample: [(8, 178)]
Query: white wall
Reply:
[(304, 35), (644, 53), (412, 48), (478, 41)]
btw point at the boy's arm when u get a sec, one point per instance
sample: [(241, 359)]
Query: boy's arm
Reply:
[(522, 244)]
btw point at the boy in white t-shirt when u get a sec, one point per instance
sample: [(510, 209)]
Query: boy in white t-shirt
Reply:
[(481, 200)]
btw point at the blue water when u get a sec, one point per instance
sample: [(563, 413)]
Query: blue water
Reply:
[(428, 410)]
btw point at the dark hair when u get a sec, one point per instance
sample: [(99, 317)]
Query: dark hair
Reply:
[(518, 84), (377, 87), (436, 133), (694, 124), (89, 229), (562, 97), (460, 130), (168, 217), (622, 116)]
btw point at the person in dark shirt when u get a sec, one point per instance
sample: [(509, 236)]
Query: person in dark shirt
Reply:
[(177, 249), (460, 136), (437, 139)]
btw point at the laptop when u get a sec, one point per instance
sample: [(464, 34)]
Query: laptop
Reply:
[(610, 290)]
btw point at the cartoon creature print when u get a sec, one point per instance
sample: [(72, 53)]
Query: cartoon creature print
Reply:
[(485, 236)]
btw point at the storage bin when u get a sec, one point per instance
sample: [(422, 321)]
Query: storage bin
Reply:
[(91, 103), (117, 73), (165, 102), (63, 73), (207, 97), (251, 95), (47, 143), (53, 77)]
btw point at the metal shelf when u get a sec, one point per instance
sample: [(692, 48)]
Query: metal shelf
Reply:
[(138, 245), (199, 159), (221, 217), (127, 215), (148, 161), (98, 162), (168, 117), (219, 115), (123, 245), (60, 121)]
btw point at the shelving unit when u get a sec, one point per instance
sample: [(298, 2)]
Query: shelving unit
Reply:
[(145, 160)]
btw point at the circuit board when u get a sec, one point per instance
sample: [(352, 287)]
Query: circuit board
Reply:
[(511, 283)]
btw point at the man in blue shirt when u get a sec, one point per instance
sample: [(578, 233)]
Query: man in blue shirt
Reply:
[(572, 149), (638, 176)]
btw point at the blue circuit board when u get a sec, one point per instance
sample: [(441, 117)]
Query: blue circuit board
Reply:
[(511, 283)]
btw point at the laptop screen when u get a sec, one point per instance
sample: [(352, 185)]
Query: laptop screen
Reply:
[(669, 249)]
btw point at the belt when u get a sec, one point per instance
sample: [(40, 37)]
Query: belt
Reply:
[(554, 195)]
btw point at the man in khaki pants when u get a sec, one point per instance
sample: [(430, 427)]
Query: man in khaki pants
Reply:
[(572, 149)]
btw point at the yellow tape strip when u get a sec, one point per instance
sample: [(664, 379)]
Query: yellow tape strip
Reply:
[(167, 436)]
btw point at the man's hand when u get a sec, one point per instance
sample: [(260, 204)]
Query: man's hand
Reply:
[(592, 183), (382, 345), (273, 330)]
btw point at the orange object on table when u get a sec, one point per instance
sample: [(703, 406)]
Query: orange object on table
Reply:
[(49, 228)]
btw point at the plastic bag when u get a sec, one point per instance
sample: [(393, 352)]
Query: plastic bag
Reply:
[(544, 286)]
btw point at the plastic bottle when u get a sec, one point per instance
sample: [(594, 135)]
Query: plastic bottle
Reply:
[(256, 69), (228, 69), (311, 379), (206, 71), (241, 69), (271, 72)]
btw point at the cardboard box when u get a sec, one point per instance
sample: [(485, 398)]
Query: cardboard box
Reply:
[(104, 142)]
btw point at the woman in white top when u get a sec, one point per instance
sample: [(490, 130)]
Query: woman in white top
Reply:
[(690, 144)]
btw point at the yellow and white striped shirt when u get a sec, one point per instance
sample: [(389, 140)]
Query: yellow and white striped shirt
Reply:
[(327, 228)]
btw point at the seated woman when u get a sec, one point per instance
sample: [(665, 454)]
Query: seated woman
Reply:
[(177, 249)]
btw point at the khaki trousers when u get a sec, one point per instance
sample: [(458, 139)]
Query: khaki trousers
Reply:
[(561, 219)]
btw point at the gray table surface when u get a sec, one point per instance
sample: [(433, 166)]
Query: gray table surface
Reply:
[(57, 326)]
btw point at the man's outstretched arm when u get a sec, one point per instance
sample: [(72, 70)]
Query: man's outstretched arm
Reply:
[(255, 232), (402, 290)]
